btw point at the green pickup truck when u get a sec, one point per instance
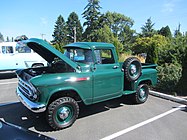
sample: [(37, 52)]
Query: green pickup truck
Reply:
[(87, 72)]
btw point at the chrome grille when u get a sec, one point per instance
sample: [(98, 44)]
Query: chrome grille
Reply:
[(25, 89)]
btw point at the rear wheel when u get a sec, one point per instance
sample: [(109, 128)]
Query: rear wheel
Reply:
[(62, 113), (141, 94)]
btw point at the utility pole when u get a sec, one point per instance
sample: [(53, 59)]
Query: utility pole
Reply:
[(42, 36), (74, 37)]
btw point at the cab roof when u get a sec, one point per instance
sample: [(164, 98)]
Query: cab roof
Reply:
[(90, 45)]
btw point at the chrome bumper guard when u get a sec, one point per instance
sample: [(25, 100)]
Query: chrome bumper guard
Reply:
[(34, 107)]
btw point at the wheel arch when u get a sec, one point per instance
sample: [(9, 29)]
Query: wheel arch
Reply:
[(37, 64), (65, 93), (145, 81)]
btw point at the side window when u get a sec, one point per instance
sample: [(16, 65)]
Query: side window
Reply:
[(3, 49), (104, 56), (7, 49)]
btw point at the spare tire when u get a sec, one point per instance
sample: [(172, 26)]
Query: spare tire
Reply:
[(132, 69)]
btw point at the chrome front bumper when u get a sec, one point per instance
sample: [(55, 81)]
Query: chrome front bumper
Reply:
[(34, 107)]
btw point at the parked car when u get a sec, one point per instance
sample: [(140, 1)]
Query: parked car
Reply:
[(87, 72), (10, 131), (16, 55)]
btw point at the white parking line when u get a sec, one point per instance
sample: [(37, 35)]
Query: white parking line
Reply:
[(4, 104), (117, 134), (8, 83)]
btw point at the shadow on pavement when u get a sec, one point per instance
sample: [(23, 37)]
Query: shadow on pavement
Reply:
[(184, 109), (18, 114), (7, 75), (104, 106)]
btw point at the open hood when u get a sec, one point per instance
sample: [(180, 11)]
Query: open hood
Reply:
[(47, 51)]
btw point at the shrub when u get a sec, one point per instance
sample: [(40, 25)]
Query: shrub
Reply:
[(169, 76), (182, 85)]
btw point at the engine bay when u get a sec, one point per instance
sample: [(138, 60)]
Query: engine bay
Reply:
[(54, 67)]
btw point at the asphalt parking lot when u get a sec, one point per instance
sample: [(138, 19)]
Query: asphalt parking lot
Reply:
[(157, 119)]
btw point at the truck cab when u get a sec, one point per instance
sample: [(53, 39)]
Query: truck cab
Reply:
[(101, 62), (87, 72)]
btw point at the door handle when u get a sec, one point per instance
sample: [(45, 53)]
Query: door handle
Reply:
[(115, 67)]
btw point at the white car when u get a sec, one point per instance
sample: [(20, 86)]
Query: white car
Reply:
[(16, 55)]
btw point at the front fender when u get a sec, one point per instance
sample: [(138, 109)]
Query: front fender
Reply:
[(49, 85)]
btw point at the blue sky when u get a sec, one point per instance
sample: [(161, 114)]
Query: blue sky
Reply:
[(36, 17)]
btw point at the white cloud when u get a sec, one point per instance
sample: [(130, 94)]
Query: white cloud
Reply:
[(168, 7), (44, 21)]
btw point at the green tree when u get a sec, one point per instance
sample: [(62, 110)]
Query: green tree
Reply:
[(118, 22), (74, 28), (172, 66), (91, 14), (176, 49), (151, 46), (181, 87), (7, 39), (127, 38), (60, 33), (169, 76), (120, 26), (1, 38), (147, 29), (165, 31), (177, 32), (105, 35)]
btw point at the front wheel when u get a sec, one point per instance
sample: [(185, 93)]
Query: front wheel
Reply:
[(141, 94), (62, 113)]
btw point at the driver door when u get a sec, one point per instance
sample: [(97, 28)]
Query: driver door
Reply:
[(107, 76)]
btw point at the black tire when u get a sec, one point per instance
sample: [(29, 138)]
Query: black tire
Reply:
[(37, 65), (132, 69), (62, 113), (141, 94)]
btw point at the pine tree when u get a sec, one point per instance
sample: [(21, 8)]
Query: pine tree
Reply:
[(165, 31), (7, 39), (1, 38), (60, 33), (74, 28), (147, 29), (177, 32), (91, 14)]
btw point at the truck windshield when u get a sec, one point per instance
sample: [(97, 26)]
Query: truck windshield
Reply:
[(79, 55), (22, 48)]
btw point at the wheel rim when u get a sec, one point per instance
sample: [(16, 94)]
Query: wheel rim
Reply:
[(64, 114), (142, 94), (133, 70)]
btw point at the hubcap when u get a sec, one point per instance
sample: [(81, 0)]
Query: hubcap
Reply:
[(1, 125), (142, 93), (64, 113), (133, 69)]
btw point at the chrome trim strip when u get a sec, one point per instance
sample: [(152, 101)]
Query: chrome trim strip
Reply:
[(34, 107)]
